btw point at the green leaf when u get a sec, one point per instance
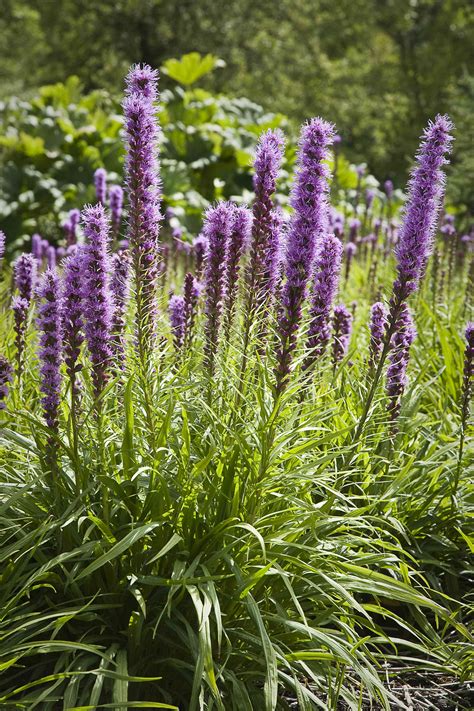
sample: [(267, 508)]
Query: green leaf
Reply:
[(191, 67)]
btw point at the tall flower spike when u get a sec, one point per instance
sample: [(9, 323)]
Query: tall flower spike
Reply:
[(217, 228), (6, 374), (20, 315), (70, 226), (268, 158), (97, 297), (274, 254), (25, 269), (100, 183), (72, 313), (326, 280), (239, 237), (401, 341), (50, 339), (177, 313), (378, 325), (342, 329), (144, 193), (199, 249), (37, 248), (116, 202), (425, 194), (120, 286), (309, 200), (2, 246)]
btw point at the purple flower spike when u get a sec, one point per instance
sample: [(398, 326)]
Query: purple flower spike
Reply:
[(177, 313), (217, 228), (50, 340), (342, 329), (120, 286), (36, 247), (144, 194), (20, 315), (425, 193), (192, 290), (25, 269), (275, 252), (400, 343), (199, 248), (51, 257), (239, 237), (70, 227), (468, 376), (309, 200), (268, 158), (72, 313), (6, 375), (326, 279), (369, 197), (97, 297), (388, 187), (378, 325), (116, 203), (2, 246), (100, 183)]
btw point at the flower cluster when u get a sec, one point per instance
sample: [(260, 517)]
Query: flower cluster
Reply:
[(309, 201), (96, 294), (400, 344), (49, 324), (325, 284)]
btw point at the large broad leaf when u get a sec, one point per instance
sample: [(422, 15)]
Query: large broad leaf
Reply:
[(191, 67)]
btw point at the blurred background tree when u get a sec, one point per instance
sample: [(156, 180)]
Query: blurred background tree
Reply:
[(378, 68)]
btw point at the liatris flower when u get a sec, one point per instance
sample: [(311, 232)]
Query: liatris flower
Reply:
[(120, 287), (192, 289), (20, 315), (268, 158), (342, 329), (326, 278), (468, 373), (369, 198), (388, 187), (274, 255), (6, 374), (36, 248), (2, 246), (239, 237), (25, 275), (49, 326), (72, 315), (177, 313), (350, 250), (400, 343), (116, 203), (144, 188), (51, 257), (100, 183), (97, 297), (70, 227), (199, 249), (424, 199), (354, 226), (310, 204), (378, 325), (217, 228)]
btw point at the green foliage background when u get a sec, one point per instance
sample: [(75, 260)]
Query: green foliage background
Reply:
[(379, 69)]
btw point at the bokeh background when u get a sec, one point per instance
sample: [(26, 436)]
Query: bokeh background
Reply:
[(378, 68)]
